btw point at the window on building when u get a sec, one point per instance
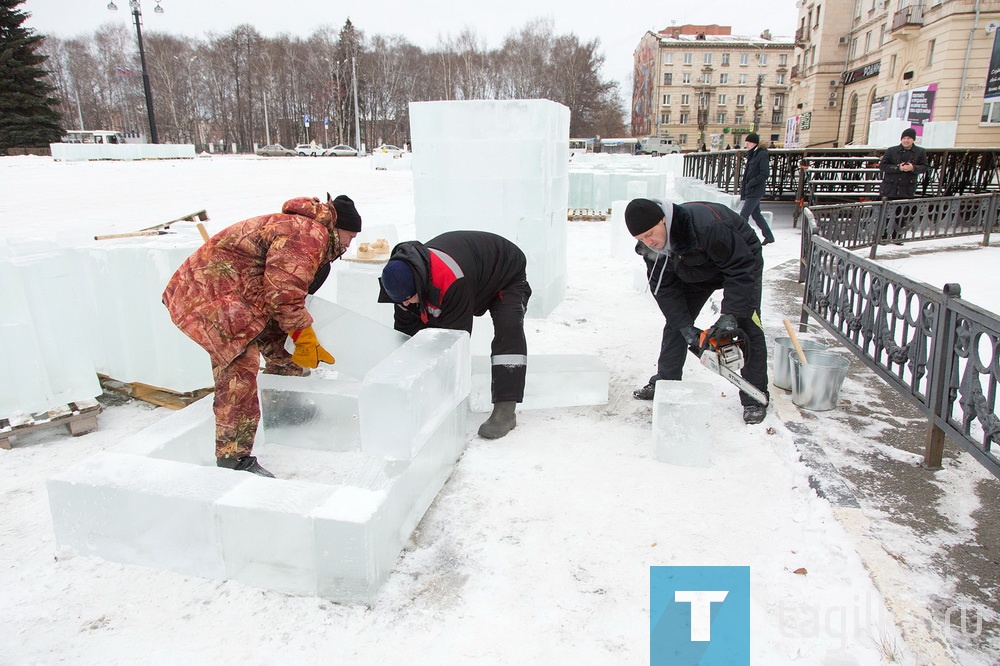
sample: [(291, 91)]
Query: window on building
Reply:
[(783, 60), (722, 100), (779, 79), (930, 52), (743, 79), (686, 77), (738, 119), (708, 58), (868, 41), (666, 100), (776, 117), (665, 118), (706, 78), (857, 9), (854, 47), (723, 79), (744, 58), (688, 58), (668, 79), (684, 117), (685, 100), (741, 100), (852, 119), (703, 100), (779, 100), (991, 113), (812, 58), (762, 58), (817, 15), (682, 139), (720, 118), (668, 58), (892, 66), (725, 59)]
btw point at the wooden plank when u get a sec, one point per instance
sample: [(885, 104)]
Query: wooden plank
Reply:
[(153, 394), (80, 418)]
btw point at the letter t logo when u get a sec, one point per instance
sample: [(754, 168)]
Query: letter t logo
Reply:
[(701, 610)]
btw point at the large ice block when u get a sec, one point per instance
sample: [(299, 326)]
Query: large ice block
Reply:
[(683, 423), (507, 160), (310, 412), (405, 398), (139, 510), (553, 380), (357, 342), (357, 290)]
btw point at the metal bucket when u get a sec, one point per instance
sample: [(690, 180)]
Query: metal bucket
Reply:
[(782, 377), (816, 385)]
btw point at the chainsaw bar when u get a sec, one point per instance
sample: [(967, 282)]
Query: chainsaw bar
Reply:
[(733, 360)]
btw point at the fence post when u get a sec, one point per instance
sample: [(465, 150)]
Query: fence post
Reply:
[(883, 216), (937, 399), (799, 193), (992, 213)]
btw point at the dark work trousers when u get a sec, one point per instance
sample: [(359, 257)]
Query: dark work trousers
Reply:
[(674, 350), (751, 208), (509, 358)]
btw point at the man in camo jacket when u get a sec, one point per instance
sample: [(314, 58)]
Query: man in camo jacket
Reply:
[(243, 291)]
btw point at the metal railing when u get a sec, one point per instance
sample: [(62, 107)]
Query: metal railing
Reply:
[(908, 16), (937, 350), (950, 170)]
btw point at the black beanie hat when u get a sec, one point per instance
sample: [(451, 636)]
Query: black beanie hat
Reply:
[(641, 215), (397, 281), (348, 218), (910, 132), (753, 137)]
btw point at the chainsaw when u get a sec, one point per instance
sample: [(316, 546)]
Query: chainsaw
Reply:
[(725, 356)]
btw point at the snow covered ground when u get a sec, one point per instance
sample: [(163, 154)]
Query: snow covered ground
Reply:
[(537, 550)]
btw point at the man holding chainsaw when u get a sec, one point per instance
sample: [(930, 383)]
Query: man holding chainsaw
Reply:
[(691, 250)]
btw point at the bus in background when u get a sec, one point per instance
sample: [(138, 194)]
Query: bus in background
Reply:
[(93, 136)]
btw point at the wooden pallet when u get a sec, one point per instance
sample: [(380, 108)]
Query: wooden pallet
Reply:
[(153, 394), (78, 417), (585, 215)]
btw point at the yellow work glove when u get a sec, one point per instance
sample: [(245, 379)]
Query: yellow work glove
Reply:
[(308, 352)]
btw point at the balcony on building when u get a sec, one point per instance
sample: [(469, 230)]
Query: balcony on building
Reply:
[(907, 22), (796, 71), (801, 36)]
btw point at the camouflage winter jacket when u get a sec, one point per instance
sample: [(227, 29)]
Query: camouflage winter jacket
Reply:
[(259, 269)]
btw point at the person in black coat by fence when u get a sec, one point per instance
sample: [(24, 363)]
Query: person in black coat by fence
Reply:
[(901, 168), (692, 250), (755, 174), (454, 277)]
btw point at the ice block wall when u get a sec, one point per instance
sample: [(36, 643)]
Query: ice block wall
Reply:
[(47, 365), (129, 330), (498, 166)]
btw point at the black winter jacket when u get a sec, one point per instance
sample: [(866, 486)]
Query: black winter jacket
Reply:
[(898, 184), (457, 275), (755, 174), (712, 246)]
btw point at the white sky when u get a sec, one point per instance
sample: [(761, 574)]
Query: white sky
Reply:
[(618, 26)]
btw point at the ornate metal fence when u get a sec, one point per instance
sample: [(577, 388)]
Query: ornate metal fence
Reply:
[(950, 171), (938, 351)]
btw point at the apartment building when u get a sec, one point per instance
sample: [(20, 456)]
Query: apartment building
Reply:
[(930, 61), (706, 86)]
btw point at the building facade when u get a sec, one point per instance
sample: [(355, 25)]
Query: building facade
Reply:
[(870, 60), (707, 87)]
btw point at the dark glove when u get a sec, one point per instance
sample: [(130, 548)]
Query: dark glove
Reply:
[(692, 336), (723, 329)]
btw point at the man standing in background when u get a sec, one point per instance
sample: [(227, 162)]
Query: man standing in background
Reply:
[(755, 175)]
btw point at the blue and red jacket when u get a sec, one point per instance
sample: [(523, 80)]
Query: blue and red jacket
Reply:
[(458, 275)]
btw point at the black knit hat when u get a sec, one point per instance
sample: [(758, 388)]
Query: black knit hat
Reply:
[(348, 218), (397, 281), (909, 132), (753, 138), (641, 215)]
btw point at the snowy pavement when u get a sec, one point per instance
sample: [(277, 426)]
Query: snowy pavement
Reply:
[(538, 549)]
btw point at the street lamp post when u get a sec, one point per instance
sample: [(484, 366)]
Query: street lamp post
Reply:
[(137, 17), (357, 120)]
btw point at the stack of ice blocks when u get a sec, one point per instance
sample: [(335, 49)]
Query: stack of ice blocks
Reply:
[(47, 367), (337, 517), (553, 380), (498, 166), (129, 330)]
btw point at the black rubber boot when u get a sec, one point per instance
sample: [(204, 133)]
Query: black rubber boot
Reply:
[(501, 421), (244, 464), (647, 392), (753, 414)]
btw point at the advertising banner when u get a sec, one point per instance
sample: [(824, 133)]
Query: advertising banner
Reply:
[(993, 73)]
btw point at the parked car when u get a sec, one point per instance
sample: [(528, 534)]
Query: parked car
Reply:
[(274, 150), (309, 149), (341, 151), (392, 150)]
